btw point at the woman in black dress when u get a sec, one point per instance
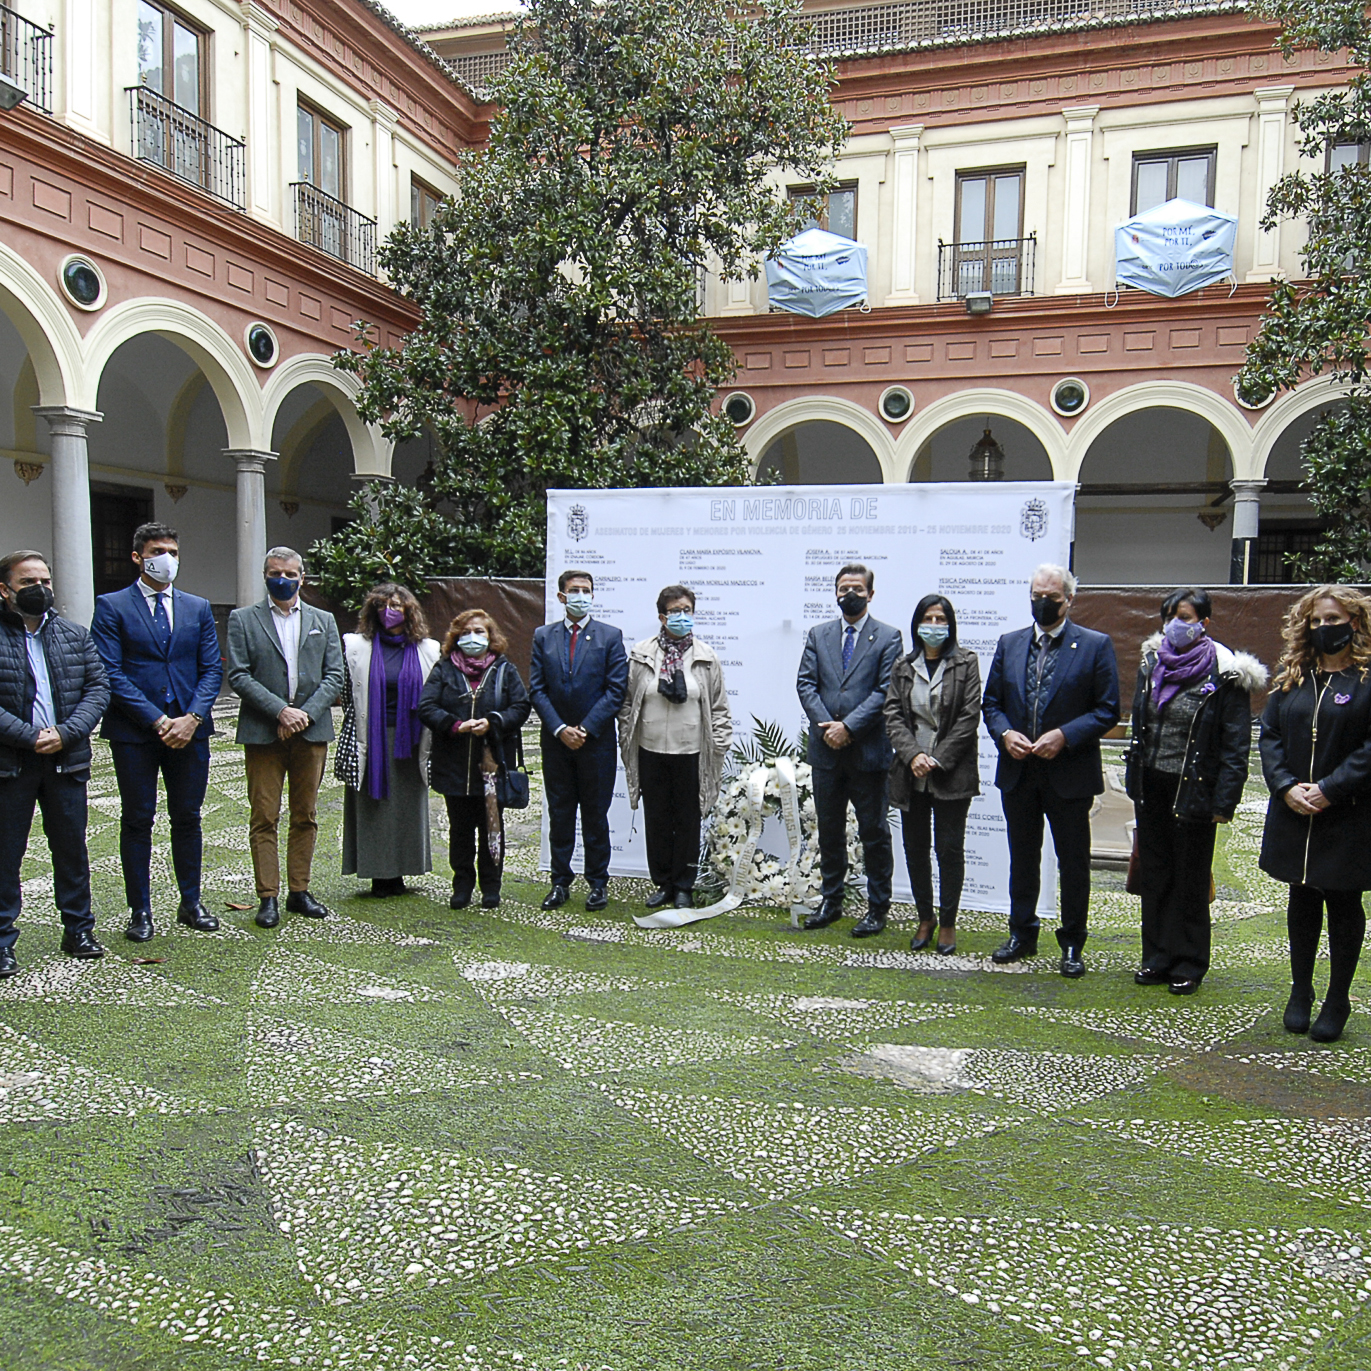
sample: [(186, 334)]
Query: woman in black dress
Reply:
[(1316, 756)]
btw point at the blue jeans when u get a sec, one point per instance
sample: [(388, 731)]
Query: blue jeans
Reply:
[(186, 773), (62, 801)]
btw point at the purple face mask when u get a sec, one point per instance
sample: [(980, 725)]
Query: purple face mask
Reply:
[(391, 619), (1181, 634)]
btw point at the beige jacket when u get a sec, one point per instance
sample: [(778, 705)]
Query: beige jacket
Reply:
[(716, 722), (357, 653)]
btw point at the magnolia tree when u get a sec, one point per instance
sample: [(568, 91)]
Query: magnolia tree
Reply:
[(637, 144), (1318, 326)]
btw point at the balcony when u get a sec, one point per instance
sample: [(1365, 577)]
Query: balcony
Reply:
[(182, 143), (1002, 267), (322, 221), (26, 57)]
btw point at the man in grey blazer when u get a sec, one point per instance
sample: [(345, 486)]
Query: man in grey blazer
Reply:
[(844, 674), (285, 662)]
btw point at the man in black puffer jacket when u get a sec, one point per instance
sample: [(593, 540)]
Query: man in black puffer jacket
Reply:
[(53, 690)]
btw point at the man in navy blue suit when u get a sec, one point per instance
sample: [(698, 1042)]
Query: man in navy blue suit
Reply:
[(1052, 693), (161, 651), (577, 682)]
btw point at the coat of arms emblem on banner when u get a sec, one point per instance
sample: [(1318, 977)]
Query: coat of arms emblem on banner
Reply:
[(577, 523), (1033, 520)]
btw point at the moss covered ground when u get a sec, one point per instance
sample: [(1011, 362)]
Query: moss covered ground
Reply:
[(408, 1137)]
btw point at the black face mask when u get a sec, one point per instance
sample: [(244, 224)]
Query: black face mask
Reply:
[(852, 603), (33, 600), (1330, 639), (1046, 611)]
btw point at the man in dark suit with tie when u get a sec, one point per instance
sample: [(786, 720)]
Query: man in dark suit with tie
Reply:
[(1052, 693), (844, 674), (161, 653), (577, 681)]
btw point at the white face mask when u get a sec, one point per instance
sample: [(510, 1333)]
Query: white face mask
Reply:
[(163, 567), (473, 644)]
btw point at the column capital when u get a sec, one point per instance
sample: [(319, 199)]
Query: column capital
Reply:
[(1273, 98), (66, 421), (1249, 488), (249, 459), (363, 478), (386, 117), (907, 135), (1079, 118), (258, 20)]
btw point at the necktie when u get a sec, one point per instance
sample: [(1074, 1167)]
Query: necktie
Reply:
[(849, 645), (160, 622), (571, 651)]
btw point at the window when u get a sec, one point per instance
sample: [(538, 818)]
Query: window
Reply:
[(1162, 176), (115, 511), (171, 56), (423, 203), (1348, 155), (320, 150), (989, 232), (1274, 545), (836, 211)]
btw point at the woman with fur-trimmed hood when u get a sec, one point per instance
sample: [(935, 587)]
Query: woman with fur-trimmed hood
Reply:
[(1192, 733)]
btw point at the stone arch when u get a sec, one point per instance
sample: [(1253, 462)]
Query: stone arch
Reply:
[(1285, 410), (45, 325), (370, 451), (974, 403), (809, 409)]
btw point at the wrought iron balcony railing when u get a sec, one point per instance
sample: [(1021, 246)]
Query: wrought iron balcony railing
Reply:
[(171, 137), (325, 222), (1003, 267), (26, 57)]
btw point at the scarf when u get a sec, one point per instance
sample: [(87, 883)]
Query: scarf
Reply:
[(671, 680), (473, 668), (1175, 670), (407, 724)]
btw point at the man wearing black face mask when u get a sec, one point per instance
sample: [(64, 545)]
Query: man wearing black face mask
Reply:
[(844, 676), (53, 691), (1052, 693)]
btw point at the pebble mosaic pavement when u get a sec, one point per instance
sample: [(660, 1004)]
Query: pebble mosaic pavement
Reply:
[(412, 1138)]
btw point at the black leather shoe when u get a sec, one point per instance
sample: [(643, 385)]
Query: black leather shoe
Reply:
[(1146, 976), (461, 896), (8, 965), (923, 935), (1073, 965), (82, 945), (556, 897), (196, 916), (1329, 1025), (268, 913), (685, 899), (302, 902), (827, 913), (1298, 1009), (945, 949), (1186, 985), (140, 926), (1015, 949), (598, 898), (658, 898), (871, 923), (490, 899)]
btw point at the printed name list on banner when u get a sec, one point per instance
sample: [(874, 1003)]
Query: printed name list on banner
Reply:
[(761, 561)]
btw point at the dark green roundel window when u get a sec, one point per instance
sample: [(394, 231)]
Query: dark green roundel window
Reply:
[(82, 282), (1070, 397), (896, 404), (262, 345), (739, 409)]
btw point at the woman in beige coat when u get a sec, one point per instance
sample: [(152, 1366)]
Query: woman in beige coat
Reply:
[(674, 733)]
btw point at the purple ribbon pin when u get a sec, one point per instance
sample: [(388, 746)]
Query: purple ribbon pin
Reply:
[(1341, 699)]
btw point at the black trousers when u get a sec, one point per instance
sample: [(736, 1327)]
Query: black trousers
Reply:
[(834, 787), (581, 780), (62, 801), (468, 851), (1346, 932), (1175, 858), (1031, 802), (947, 821), (185, 771), (670, 783)]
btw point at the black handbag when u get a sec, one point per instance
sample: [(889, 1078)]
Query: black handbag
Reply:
[(511, 785), (347, 764)]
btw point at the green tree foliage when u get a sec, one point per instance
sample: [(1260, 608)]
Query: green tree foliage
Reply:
[(1318, 326), (637, 143)]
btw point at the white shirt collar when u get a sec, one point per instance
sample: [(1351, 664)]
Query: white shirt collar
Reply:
[(573, 624), (859, 625), (150, 592), (276, 608), (1039, 632)]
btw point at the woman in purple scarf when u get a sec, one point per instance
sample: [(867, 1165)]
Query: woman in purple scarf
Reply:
[(385, 822), (1191, 735)]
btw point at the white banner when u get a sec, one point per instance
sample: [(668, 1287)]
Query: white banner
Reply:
[(761, 561)]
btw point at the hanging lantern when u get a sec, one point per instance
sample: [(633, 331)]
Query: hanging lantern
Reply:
[(987, 459)]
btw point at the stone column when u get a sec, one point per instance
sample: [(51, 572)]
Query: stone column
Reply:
[(389, 210), (73, 555), (1080, 134), (252, 520), (1246, 518), (905, 179), (1266, 246), (260, 40)]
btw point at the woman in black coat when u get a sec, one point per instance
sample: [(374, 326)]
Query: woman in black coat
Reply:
[(1316, 756), (932, 716), (475, 703), (1187, 765)]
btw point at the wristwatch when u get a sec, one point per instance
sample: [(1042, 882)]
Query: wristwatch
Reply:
[(199, 718)]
